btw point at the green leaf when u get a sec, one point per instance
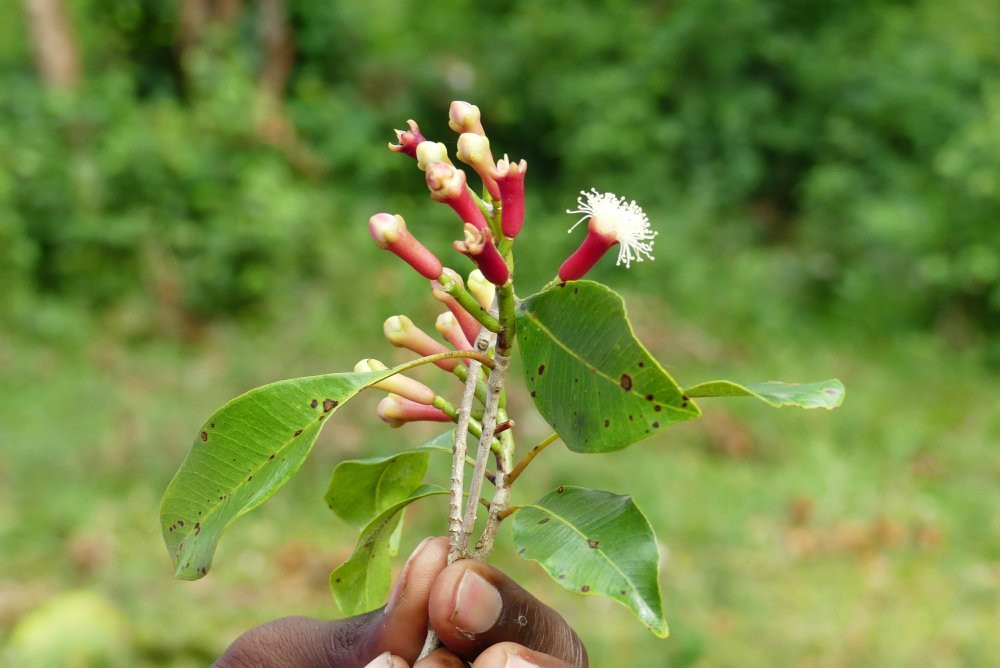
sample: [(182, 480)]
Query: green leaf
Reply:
[(592, 381), (242, 455), (362, 582), (595, 542), (827, 394), (360, 489)]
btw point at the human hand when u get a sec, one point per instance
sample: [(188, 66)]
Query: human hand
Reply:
[(479, 614)]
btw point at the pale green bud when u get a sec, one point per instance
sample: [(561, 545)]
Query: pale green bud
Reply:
[(481, 289)]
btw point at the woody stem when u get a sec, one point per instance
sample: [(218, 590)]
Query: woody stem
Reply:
[(501, 497)]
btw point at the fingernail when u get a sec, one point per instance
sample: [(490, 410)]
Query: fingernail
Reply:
[(477, 604), (383, 660), (397, 589), (515, 661)]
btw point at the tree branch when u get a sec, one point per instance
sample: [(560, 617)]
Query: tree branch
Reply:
[(501, 497), (455, 526), (52, 39), (494, 388)]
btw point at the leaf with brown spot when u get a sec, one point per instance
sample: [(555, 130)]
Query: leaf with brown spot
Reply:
[(595, 542), (583, 340), (233, 472)]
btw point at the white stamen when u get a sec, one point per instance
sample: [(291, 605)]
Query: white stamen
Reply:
[(624, 221)]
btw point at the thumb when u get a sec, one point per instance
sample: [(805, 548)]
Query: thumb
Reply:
[(474, 606), (397, 629)]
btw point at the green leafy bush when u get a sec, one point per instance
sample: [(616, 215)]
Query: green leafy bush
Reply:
[(848, 150)]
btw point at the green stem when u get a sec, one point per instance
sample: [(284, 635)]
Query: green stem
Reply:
[(469, 303), (508, 331), (483, 359), (475, 428), (505, 246), (462, 373), (485, 207), (490, 210), (521, 465)]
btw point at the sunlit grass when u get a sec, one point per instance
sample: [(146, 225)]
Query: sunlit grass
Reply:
[(865, 536)]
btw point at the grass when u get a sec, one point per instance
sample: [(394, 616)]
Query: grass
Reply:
[(867, 536)]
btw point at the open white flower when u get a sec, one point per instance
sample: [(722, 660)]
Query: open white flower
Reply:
[(613, 218), (612, 221)]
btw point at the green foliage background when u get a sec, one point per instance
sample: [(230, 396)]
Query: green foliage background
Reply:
[(825, 178), (833, 149)]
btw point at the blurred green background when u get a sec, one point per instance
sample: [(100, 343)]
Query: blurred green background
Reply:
[(184, 187)]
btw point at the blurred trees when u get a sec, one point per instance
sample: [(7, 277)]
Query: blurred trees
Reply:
[(197, 16), (218, 152)]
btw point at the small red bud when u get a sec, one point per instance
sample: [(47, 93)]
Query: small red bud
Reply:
[(398, 383), (401, 332), (397, 411), (390, 234), (510, 180), (478, 246), (447, 325), (577, 265), (470, 326), (444, 181), (408, 140), (448, 185)]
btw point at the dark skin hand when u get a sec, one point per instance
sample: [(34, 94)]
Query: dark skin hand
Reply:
[(481, 616)]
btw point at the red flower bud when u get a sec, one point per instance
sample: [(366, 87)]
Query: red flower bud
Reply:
[(390, 234), (577, 265), (398, 383), (408, 140), (510, 180), (447, 325), (402, 333), (478, 246), (448, 185), (397, 411), (470, 326)]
